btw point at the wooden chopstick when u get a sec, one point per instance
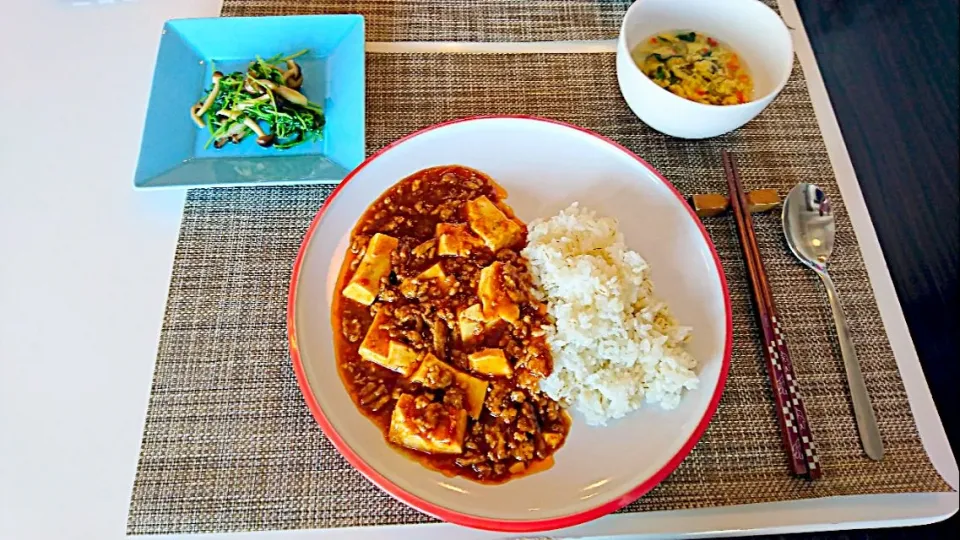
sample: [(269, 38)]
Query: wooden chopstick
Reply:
[(793, 386), (791, 413)]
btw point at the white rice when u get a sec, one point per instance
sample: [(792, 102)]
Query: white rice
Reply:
[(614, 345)]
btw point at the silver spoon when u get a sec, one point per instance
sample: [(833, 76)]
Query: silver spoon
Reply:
[(809, 226)]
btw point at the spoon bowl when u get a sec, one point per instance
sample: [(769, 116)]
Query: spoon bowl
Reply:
[(809, 225)]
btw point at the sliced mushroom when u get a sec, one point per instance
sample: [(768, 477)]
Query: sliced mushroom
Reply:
[(293, 77), (288, 94), (266, 140), (207, 103), (251, 86), (254, 126), (196, 119), (237, 137), (263, 139), (234, 134), (229, 113)]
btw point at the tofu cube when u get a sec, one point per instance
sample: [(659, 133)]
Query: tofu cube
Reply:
[(446, 438), (434, 272), (400, 358), (472, 322), (474, 388), (493, 226), (377, 347), (493, 297), (375, 264), (430, 362), (490, 362), (455, 239)]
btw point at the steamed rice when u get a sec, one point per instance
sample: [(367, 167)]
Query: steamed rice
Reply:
[(614, 345)]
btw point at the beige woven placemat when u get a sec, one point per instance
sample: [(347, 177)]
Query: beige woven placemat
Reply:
[(229, 444), (459, 20)]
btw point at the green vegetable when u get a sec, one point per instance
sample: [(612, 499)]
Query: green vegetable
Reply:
[(665, 57), (281, 58), (690, 37), (290, 118), (660, 73)]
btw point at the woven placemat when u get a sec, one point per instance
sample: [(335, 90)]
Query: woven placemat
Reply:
[(458, 20), (229, 444)]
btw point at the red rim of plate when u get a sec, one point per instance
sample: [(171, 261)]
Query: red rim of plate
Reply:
[(467, 519)]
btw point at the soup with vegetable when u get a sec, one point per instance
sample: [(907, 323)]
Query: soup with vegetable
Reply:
[(695, 66)]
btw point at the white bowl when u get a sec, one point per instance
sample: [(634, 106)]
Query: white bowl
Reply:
[(751, 29), (544, 166)]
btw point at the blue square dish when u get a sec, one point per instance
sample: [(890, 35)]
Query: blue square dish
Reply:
[(173, 151)]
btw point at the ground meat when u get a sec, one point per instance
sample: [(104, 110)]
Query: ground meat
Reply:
[(374, 395), (454, 397), (409, 317), (388, 293), (459, 359), (352, 330), (497, 398), (508, 255), (446, 210), (359, 245), (512, 283), (438, 329), (497, 444), (437, 377), (526, 380), (549, 409), (425, 250), (471, 458), (526, 419)]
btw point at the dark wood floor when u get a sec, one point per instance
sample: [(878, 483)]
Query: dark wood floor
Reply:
[(891, 69)]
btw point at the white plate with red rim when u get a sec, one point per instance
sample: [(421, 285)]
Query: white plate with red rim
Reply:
[(544, 166)]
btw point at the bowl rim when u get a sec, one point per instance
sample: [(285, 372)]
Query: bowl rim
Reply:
[(789, 58), (478, 522)]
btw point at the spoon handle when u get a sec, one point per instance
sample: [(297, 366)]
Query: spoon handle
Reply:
[(862, 408)]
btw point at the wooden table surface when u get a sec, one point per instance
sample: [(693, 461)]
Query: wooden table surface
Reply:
[(891, 67)]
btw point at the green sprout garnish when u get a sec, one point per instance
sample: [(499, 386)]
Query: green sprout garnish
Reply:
[(240, 104)]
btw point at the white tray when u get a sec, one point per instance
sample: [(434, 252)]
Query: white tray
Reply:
[(91, 266)]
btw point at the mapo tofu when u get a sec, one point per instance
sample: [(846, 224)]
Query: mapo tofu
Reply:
[(439, 338)]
